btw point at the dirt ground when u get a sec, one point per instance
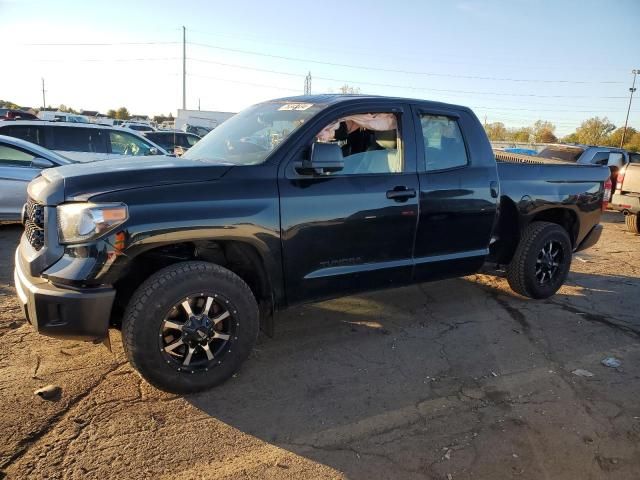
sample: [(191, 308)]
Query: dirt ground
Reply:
[(457, 379)]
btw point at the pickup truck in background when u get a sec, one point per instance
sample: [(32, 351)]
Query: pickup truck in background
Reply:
[(612, 157), (290, 201), (626, 197)]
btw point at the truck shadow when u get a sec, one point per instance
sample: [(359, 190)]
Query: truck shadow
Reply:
[(341, 371), (340, 368)]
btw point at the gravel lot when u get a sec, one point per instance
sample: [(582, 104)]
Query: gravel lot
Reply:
[(457, 379)]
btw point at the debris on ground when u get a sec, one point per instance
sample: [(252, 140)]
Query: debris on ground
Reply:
[(582, 373), (611, 362), (448, 455), (49, 392)]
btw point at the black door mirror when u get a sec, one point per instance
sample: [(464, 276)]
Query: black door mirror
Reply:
[(39, 162), (325, 158)]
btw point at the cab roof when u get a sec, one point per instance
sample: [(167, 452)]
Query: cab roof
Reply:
[(336, 98)]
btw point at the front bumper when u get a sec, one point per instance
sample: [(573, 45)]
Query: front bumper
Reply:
[(591, 239), (81, 314)]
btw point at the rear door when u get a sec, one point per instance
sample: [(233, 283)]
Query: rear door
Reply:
[(458, 194), (351, 230)]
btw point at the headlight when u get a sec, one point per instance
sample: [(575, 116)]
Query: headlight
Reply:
[(81, 222)]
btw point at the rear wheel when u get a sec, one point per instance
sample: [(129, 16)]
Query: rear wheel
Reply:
[(541, 262), (633, 222), (189, 326)]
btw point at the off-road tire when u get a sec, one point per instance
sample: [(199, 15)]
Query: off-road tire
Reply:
[(151, 302), (633, 222), (521, 272)]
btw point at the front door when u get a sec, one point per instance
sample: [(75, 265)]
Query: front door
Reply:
[(353, 229)]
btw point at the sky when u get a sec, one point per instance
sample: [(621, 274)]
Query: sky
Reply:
[(512, 61)]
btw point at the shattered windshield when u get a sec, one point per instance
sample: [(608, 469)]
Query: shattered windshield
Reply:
[(250, 136)]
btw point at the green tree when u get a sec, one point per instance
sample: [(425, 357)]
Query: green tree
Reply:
[(544, 132), (571, 138), (616, 137), (595, 131), (123, 114), (633, 144), (11, 105), (111, 113), (349, 89), (496, 131), (63, 108), (522, 134)]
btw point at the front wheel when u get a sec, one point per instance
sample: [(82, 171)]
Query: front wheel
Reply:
[(189, 326), (541, 262)]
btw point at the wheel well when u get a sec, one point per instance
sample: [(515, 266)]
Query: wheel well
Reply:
[(510, 229), (241, 258), (562, 216)]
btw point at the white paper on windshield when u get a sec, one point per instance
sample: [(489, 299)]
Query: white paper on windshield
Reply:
[(296, 106)]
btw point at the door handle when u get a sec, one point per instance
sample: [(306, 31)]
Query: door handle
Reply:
[(400, 194)]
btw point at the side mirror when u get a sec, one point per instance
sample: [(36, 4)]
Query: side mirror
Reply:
[(153, 151), (325, 158), (42, 163)]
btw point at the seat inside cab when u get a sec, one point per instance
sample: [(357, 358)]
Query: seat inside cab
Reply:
[(369, 143)]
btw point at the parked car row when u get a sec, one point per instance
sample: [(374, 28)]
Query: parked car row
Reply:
[(173, 141), (82, 142)]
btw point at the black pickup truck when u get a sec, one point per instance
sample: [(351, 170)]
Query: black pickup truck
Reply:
[(290, 201)]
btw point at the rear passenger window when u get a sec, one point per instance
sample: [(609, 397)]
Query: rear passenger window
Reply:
[(443, 143), (74, 139), (30, 133)]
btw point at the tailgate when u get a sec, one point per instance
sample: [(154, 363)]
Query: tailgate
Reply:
[(631, 182)]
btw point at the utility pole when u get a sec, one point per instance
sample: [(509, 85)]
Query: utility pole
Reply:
[(198, 103), (631, 90), (184, 68), (307, 84), (44, 102)]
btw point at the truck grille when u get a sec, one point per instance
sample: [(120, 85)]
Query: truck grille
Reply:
[(34, 224)]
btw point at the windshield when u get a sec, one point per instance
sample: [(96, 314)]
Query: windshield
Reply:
[(568, 154), (250, 136)]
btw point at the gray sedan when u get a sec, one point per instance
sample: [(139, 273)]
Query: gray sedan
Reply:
[(20, 162)]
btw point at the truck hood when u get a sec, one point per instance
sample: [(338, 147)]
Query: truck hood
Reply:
[(84, 180)]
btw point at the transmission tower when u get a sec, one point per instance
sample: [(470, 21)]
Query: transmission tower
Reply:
[(307, 84)]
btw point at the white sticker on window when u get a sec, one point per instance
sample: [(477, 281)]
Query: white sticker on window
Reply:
[(296, 106)]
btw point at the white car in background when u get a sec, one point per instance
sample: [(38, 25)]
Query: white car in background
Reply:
[(20, 162), (82, 142)]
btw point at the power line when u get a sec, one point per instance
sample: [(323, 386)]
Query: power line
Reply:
[(105, 44), (389, 70), (242, 82), (415, 56)]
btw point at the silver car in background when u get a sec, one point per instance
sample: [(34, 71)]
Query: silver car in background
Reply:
[(20, 162)]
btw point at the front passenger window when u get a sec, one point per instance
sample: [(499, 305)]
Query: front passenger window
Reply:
[(443, 143), (370, 143)]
